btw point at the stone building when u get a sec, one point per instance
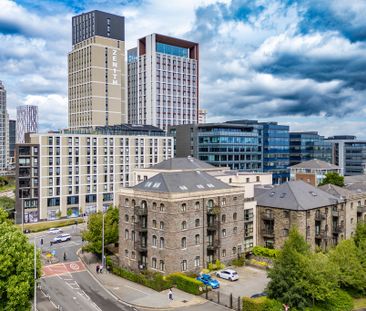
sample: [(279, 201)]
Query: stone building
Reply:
[(180, 221), (322, 218)]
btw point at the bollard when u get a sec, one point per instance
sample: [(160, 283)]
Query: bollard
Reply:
[(231, 300), (239, 303)]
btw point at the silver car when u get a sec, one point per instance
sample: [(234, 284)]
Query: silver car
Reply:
[(61, 238), (228, 274)]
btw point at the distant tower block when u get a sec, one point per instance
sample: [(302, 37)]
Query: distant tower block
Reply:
[(27, 121)]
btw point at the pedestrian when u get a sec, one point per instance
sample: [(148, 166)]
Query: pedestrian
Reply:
[(101, 269), (97, 268), (286, 307), (170, 294), (64, 256)]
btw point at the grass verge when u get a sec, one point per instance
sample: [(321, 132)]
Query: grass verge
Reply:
[(42, 226)]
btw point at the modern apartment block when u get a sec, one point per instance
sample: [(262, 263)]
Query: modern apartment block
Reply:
[(305, 146), (96, 67), (3, 129), (180, 221), (163, 81), (73, 172), (27, 121), (322, 217), (202, 116), (12, 138), (244, 145), (349, 153)]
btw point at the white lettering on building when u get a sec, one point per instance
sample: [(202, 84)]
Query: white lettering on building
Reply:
[(114, 67)]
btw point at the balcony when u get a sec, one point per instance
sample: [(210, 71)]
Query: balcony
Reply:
[(248, 218), (320, 216), (213, 225), (141, 246), (361, 209), (212, 245), (140, 226), (267, 216), (268, 233), (337, 229), (140, 211)]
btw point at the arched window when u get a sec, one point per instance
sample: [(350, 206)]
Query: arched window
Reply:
[(162, 207), (154, 206), (184, 242), (223, 232), (161, 265), (154, 241), (143, 204), (223, 218), (133, 235), (197, 222), (210, 203), (197, 239), (154, 223), (133, 219), (234, 250), (153, 262), (162, 242), (133, 203), (184, 207), (223, 201), (197, 205), (126, 234), (184, 265), (184, 225), (133, 255), (126, 252), (126, 202), (235, 230), (235, 216), (126, 217), (223, 253), (162, 225)]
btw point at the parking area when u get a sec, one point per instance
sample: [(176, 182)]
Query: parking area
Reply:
[(251, 281)]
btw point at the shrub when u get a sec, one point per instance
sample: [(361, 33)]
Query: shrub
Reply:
[(265, 252), (238, 262), (261, 304), (42, 226), (339, 301), (185, 283), (259, 263), (215, 266)]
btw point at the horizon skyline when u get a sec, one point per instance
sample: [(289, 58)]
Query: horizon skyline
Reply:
[(300, 63)]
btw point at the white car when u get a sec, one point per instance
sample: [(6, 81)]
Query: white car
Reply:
[(61, 238), (228, 274), (54, 230)]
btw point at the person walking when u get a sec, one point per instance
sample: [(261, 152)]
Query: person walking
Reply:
[(64, 256), (170, 294), (101, 269), (97, 269)]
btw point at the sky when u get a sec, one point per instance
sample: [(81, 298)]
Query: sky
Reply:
[(297, 62)]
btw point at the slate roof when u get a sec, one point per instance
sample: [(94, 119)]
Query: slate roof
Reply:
[(315, 165), (296, 195), (187, 163), (354, 179), (181, 182), (339, 192)]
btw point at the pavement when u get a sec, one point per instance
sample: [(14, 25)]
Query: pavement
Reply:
[(143, 297)]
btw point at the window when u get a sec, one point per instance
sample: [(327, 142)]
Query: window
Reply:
[(285, 232), (197, 239), (162, 207), (154, 241), (153, 263), (223, 233), (235, 216), (154, 223), (235, 230), (197, 205), (286, 214), (161, 265), (210, 204), (154, 206), (223, 218), (126, 235), (162, 242), (162, 225), (133, 255), (184, 243), (126, 217), (184, 207), (235, 198), (223, 202), (184, 265), (234, 250), (197, 261), (126, 252), (184, 225), (197, 222), (133, 236), (223, 253)]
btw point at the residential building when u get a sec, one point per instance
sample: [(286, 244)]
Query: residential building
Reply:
[(27, 121), (322, 217), (73, 172), (245, 180), (3, 129), (305, 146), (349, 153), (180, 221), (313, 171), (202, 116), (163, 81), (12, 139), (244, 145), (96, 71)]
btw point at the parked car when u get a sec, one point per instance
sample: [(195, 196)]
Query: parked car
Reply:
[(258, 295), (61, 238), (208, 280), (228, 274), (54, 230)]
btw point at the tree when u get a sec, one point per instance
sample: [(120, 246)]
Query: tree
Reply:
[(360, 234), (93, 234), (16, 267), (333, 178), (7, 204), (352, 275)]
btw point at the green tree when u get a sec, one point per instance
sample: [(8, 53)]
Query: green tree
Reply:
[(16, 267), (360, 234), (7, 204), (352, 275), (333, 178), (93, 234)]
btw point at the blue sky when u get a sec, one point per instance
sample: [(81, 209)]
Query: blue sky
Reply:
[(298, 62)]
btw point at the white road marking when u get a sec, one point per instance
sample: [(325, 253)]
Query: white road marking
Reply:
[(137, 289)]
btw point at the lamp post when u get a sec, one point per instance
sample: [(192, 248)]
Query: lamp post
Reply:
[(103, 241), (35, 276)]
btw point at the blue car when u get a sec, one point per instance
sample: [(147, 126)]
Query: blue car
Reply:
[(208, 280)]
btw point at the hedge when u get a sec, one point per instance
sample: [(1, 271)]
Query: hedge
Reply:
[(42, 226), (260, 304), (339, 301), (185, 283), (265, 252)]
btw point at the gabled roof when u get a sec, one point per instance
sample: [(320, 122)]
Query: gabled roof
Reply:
[(316, 165), (339, 192), (187, 163), (181, 182), (296, 195)]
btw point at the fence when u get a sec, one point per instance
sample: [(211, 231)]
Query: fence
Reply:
[(227, 300)]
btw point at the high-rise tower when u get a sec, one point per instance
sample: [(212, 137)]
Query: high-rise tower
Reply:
[(163, 82), (97, 70), (27, 121), (3, 128)]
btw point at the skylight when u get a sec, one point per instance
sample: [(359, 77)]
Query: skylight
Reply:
[(156, 185), (183, 187), (200, 187), (210, 186), (148, 184)]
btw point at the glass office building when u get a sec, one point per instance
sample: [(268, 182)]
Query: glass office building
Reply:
[(305, 146)]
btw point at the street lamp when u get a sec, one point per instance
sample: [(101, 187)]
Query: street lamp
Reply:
[(35, 276), (103, 241)]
